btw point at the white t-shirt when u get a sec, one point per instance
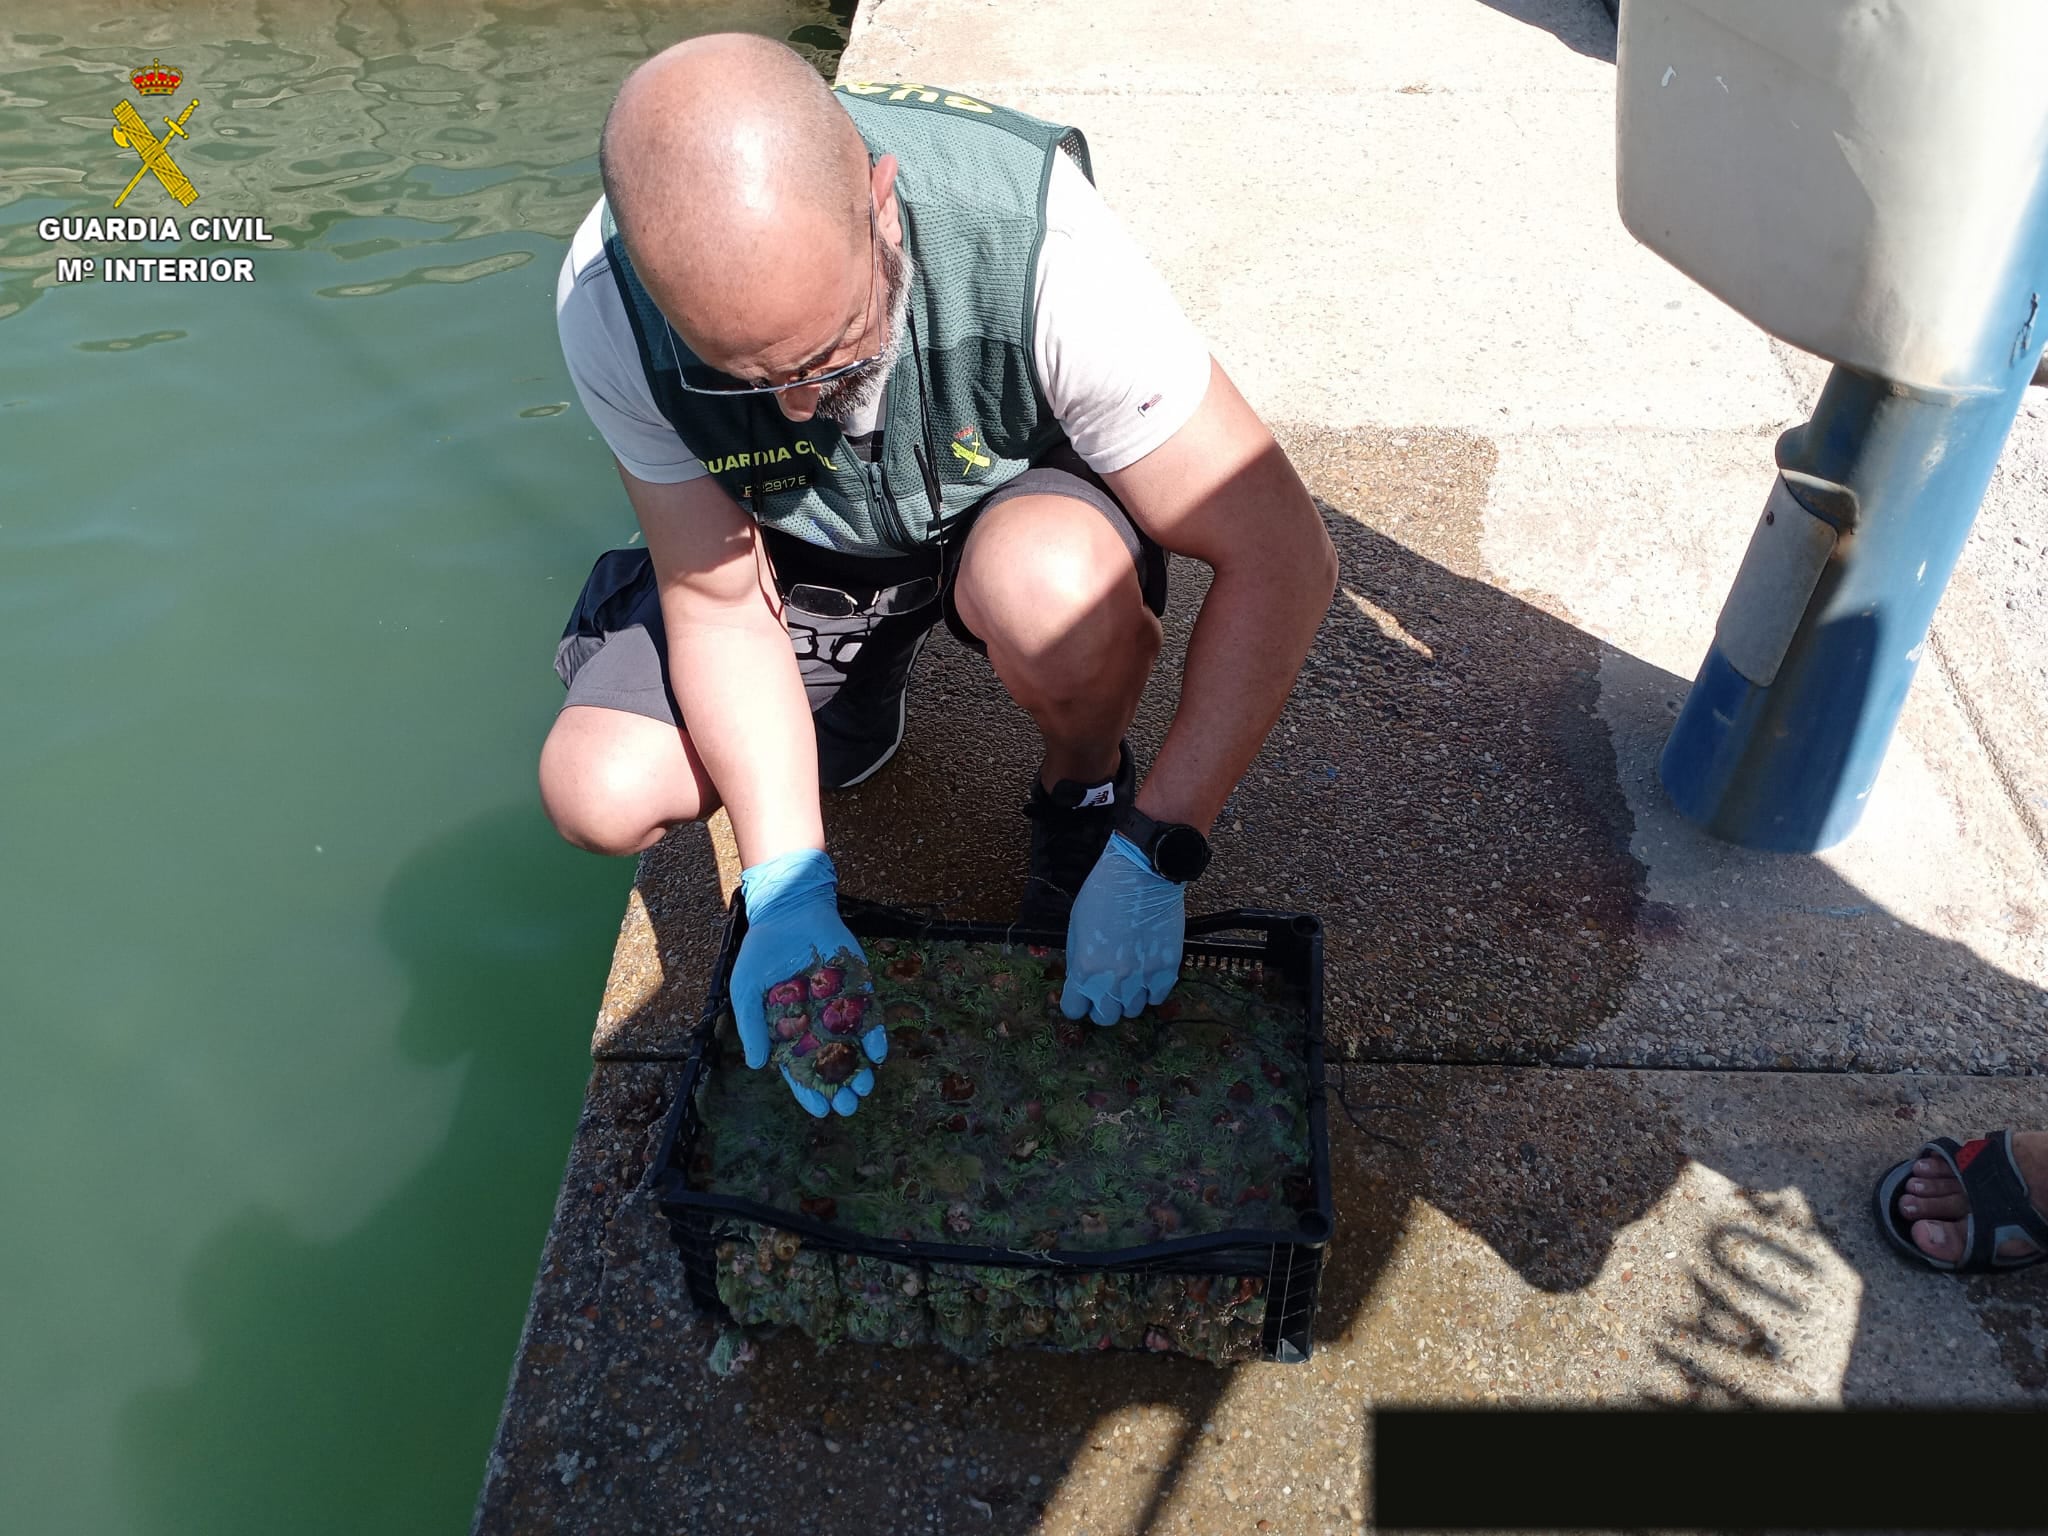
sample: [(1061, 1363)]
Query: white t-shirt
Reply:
[(1121, 365)]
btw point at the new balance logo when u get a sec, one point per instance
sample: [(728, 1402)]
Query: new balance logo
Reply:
[(1101, 794)]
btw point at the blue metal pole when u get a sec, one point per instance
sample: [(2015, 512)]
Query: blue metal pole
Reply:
[(1784, 731)]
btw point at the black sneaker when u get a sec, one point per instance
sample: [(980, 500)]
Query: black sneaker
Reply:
[(1070, 826), (861, 726)]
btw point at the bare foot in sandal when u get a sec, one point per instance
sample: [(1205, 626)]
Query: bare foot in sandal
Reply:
[(1933, 1200)]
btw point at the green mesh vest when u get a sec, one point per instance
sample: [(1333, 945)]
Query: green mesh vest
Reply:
[(965, 399)]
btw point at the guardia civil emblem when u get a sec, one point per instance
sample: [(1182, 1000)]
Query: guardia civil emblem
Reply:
[(131, 132), (970, 454)]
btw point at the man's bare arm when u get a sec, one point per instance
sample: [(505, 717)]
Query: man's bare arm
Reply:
[(730, 664), (1221, 491)]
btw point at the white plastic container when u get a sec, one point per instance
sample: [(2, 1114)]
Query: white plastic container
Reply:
[(1852, 175)]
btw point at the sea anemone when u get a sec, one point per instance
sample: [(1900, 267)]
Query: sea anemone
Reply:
[(837, 1061), (1164, 1217), (842, 1015)]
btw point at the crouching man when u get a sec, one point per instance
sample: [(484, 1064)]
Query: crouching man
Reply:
[(869, 360)]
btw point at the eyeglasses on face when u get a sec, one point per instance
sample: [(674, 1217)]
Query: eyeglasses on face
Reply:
[(808, 380)]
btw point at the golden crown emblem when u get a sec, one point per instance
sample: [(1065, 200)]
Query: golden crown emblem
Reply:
[(155, 80)]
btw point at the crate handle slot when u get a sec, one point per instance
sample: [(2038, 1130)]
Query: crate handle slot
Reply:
[(1255, 920)]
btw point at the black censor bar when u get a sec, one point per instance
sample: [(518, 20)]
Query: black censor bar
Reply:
[(1724, 1470)]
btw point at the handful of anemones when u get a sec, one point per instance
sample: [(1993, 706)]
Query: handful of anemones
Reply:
[(816, 1019)]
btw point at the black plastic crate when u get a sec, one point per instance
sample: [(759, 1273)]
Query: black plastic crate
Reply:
[(1289, 1262)]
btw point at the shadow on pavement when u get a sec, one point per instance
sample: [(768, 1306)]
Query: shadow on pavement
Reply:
[(1584, 26)]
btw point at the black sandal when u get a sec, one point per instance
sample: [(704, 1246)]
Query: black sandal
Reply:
[(1999, 1206)]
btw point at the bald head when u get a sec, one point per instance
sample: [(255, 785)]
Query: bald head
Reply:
[(741, 188)]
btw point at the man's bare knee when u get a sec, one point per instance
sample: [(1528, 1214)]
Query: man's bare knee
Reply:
[(617, 839), (1051, 585), (615, 783), (1091, 663), (1076, 639), (600, 807)]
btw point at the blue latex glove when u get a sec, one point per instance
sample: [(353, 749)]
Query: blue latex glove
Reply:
[(1124, 937), (793, 925)]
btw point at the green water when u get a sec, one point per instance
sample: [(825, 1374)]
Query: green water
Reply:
[(296, 983)]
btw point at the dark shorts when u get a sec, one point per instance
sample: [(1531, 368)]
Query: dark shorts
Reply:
[(614, 652)]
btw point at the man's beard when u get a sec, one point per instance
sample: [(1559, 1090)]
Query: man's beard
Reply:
[(844, 399)]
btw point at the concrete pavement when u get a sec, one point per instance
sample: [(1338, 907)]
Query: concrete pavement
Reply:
[(1641, 1081)]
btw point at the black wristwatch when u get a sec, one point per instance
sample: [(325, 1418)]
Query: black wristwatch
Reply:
[(1178, 852)]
